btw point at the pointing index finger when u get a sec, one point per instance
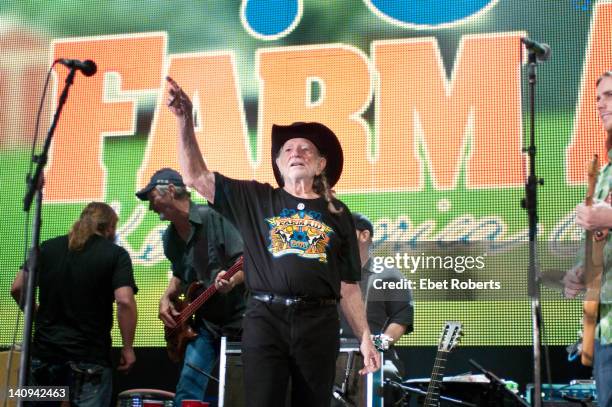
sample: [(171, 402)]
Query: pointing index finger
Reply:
[(173, 87)]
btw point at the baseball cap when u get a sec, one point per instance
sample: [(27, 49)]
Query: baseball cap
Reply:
[(363, 223), (165, 176)]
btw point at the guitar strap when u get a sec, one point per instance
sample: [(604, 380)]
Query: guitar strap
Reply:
[(212, 224), (201, 257), (201, 250)]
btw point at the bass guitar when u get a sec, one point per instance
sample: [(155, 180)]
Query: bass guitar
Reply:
[(178, 337)]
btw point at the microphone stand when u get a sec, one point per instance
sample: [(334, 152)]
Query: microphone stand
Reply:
[(530, 204), (34, 187)]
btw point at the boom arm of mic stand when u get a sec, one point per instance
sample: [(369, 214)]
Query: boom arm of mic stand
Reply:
[(41, 160), (424, 393)]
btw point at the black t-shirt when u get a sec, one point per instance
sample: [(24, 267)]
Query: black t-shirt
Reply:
[(292, 246), (76, 295)]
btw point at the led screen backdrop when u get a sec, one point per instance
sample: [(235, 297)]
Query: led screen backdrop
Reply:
[(428, 98)]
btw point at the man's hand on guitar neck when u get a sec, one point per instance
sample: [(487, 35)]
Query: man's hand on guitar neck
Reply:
[(574, 282), (225, 286)]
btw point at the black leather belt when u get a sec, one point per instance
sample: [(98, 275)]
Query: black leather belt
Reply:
[(270, 298)]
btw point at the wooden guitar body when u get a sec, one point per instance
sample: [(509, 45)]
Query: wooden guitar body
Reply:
[(178, 338)]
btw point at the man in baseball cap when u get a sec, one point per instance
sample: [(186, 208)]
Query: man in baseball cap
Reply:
[(200, 245), (165, 176)]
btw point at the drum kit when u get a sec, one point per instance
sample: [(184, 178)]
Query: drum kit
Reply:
[(145, 398)]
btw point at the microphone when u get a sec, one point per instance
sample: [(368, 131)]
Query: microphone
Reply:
[(88, 67), (541, 51)]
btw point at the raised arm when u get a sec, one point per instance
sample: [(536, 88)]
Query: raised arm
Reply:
[(192, 164)]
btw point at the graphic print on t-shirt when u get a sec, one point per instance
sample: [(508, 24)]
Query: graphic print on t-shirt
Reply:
[(299, 232)]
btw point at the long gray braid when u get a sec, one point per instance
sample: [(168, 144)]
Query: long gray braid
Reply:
[(321, 187)]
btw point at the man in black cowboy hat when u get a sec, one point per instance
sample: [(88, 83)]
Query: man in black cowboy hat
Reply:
[(200, 244), (301, 258)]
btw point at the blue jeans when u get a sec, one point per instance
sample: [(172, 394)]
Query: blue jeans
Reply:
[(202, 353), (90, 384), (602, 369)]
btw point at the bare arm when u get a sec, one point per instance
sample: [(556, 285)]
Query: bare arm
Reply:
[(17, 287), (192, 163), (127, 315), (395, 331), (354, 311), (167, 312)]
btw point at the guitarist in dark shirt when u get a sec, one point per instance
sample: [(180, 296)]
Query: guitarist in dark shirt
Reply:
[(201, 245)]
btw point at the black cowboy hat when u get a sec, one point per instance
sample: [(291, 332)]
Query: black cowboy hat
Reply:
[(321, 136)]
